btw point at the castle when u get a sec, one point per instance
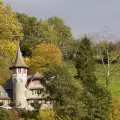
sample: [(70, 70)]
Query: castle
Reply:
[(23, 89)]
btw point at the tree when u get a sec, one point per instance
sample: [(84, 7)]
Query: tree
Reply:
[(35, 32), (7, 56), (28, 24), (108, 53), (10, 28), (43, 56), (97, 99), (63, 32), (62, 88)]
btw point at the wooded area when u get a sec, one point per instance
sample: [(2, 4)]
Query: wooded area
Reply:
[(83, 91)]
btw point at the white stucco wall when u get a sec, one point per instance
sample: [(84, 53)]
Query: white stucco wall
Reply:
[(19, 89), (5, 102)]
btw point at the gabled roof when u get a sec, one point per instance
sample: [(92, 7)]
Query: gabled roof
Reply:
[(19, 62), (9, 84), (37, 75), (3, 94)]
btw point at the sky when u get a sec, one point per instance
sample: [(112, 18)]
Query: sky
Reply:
[(83, 16)]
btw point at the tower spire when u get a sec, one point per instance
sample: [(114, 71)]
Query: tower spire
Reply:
[(19, 62)]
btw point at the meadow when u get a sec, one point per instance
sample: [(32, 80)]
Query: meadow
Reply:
[(101, 76)]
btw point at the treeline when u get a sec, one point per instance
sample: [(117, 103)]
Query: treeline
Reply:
[(45, 44)]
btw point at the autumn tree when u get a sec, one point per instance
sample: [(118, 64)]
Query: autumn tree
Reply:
[(7, 56), (47, 114), (43, 56), (115, 114), (10, 28)]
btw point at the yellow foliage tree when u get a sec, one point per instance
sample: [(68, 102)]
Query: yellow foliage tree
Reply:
[(43, 56), (50, 114), (7, 56), (115, 115), (10, 28)]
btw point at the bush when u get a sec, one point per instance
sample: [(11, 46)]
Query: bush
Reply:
[(28, 115), (1, 103), (12, 104), (8, 115)]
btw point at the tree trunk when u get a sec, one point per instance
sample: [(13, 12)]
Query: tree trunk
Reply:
[(108, 70), (108, 80)]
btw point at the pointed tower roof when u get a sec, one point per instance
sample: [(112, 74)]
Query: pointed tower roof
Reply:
[(19, 62)]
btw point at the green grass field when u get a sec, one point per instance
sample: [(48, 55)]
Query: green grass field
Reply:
[(100, 74)]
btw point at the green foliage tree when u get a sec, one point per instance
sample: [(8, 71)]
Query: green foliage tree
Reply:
[(97, 99), (63, 31), (66, 94), (28, 24), (10, 28), (35, 32)]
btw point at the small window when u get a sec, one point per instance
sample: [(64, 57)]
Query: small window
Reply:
[(35, 91), (19, 70), (14, 71), (24, 71)]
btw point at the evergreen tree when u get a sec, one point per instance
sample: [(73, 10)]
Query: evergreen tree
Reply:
[(64, 90), (97, 99)]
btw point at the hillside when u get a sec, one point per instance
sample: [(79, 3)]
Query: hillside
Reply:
[(100, 74)]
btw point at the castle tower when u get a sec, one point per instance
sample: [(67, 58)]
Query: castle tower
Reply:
[(19, 79)]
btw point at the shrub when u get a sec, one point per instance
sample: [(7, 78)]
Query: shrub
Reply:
[(12, 104), (8, 115), (28, 115), (1, 103)]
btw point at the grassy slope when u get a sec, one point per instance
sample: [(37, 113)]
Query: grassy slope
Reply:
[(100, 73)]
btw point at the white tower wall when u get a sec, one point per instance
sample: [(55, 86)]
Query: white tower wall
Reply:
[(19, 87)]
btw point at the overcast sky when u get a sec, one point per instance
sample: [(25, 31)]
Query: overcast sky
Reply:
[(83, 16)]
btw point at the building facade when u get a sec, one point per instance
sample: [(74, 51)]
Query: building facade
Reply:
[(24, 90)]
